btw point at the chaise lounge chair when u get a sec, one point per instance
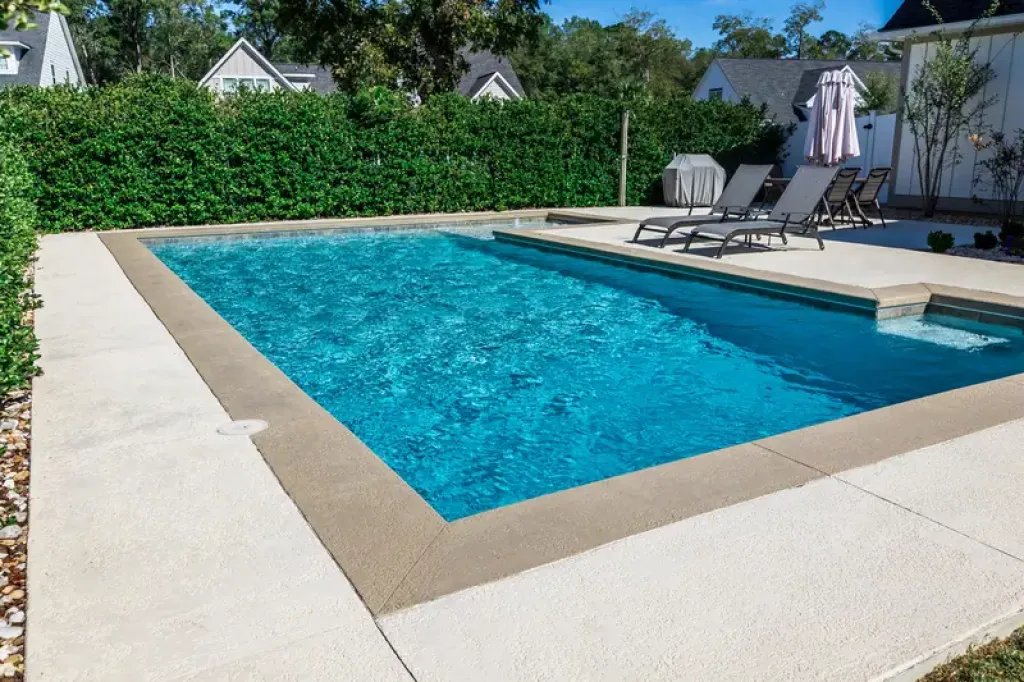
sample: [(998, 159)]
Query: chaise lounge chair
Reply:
[(795, 212), (734, 204)]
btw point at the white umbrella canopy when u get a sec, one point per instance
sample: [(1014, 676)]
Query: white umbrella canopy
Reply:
[(832, 128)]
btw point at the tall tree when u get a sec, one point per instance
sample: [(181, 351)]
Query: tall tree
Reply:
[(418, 44), (640, 54), (258, 22), (830, 45), (748, 38), (800, 17)]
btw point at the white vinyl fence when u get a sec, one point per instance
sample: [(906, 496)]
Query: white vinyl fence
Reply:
[(875, 133)]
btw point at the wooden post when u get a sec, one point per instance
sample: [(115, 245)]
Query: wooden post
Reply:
[(623, 157)]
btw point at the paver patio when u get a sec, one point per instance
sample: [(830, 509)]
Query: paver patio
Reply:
[(162, 550)]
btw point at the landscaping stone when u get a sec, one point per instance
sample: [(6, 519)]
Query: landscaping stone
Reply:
[(15, 439), (985, 254)]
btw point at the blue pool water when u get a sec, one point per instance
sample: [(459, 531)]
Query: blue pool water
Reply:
[(486, 373)]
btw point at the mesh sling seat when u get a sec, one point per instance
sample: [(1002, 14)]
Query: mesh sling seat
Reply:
[(796, 212), (868, 193), (734, 204)]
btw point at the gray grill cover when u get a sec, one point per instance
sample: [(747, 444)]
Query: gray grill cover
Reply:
[(693, 180)]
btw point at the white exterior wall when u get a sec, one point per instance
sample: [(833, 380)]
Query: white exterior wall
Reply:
[(58, 62), (875, 145), (492, 91), (240, 64), (714, 78), (1006, 54)]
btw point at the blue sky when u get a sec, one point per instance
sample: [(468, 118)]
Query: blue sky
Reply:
[(693, 18)]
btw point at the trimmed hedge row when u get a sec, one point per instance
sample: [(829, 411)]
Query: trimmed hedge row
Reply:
[(18, 344), (154, 151)]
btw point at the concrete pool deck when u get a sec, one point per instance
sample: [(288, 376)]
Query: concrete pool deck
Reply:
[(843, 573)]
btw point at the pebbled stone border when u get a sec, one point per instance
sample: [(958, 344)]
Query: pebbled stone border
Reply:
[(398, 552)]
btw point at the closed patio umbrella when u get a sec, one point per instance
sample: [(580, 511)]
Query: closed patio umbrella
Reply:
[(832, 128)]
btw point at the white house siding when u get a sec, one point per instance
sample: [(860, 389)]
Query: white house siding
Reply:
[(241, 64), (58, 62), (714, 78), (1005, 52), (492, 91)]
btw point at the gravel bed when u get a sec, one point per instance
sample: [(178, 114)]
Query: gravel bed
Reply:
[(980, 220), (15, 439), (985, 254)]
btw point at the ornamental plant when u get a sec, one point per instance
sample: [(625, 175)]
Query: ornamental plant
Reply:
[(18, 346), (1003, 172)]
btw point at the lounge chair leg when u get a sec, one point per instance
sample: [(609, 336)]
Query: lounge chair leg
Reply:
[(664, 239), (721, 249), (636, 237), (689, 240), (821, 244), (782, 235), (878, 207)]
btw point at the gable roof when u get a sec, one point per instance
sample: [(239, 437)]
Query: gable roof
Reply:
[(786, 84), (245, 46), (30, 67), (913, 13), (482, 67)]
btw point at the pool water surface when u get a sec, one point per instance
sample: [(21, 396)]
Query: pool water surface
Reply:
[(486, 373)]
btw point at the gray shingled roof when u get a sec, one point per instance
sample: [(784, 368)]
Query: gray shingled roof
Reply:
[(31, 65), (913, 13), (321, 82), (784, 84), (481, 66)]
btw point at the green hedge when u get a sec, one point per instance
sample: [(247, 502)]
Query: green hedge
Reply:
[(17, 245), (153, 151)]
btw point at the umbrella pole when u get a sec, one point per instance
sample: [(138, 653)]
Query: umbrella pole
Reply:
[(623, 157)]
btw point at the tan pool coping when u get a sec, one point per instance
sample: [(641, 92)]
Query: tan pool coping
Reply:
[(398, 552)]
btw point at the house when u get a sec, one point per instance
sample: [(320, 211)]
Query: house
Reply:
[(244, 67), (786, 86), (1000, 43), (41, 56)]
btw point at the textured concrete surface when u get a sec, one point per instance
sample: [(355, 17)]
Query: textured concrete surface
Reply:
[(852, 257), (159, 549), (822, 582)]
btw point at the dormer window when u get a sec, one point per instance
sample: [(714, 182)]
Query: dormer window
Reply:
[(10, 55)]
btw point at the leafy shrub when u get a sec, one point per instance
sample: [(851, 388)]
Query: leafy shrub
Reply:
[(986, 240), (940, 242), (155, 151), (17, 245)]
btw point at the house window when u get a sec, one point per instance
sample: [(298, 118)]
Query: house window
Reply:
[(715, 93), (248, 83), (53, 73), (6, 62)]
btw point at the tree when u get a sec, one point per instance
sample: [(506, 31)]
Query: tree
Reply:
[(882, 93), (831, 45), (258, 21), (945, 99), (795, 29), (748, 38), (416, 44), (640, 54)]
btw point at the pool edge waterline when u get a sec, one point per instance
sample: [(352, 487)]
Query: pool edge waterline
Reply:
[(396, 549)]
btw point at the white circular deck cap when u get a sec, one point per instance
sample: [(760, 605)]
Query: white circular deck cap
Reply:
[(242, 427)]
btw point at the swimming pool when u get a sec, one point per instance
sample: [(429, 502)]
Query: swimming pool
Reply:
[(487, 373)]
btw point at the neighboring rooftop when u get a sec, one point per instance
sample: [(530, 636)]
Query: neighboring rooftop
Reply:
[(786, 85), (317, 77), (482, 69), (914, 14), (30, 68)]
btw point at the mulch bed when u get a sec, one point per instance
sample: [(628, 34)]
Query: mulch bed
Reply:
[(947, 217)]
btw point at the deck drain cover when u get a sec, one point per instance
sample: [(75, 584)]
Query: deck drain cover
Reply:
[(242, 427)]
